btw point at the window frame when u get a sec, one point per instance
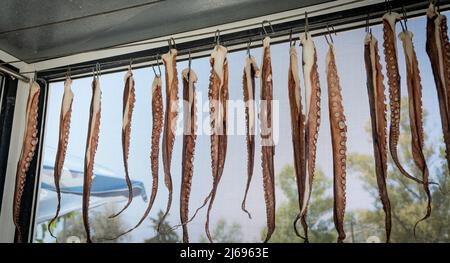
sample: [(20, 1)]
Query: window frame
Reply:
[(56, 74)]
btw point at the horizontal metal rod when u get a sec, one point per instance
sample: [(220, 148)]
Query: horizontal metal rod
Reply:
[(13, 73)]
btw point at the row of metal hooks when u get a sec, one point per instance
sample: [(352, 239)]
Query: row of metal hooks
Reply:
[(265, 25)]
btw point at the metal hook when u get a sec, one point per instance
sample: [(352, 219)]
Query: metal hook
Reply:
[(154, 71), (264, 28), (159, 68), (157, 60), (368, 23), (98, 69), (403, 23), (405, 17), (217, 37), (68, 73), (388, 6), (131, 62), (291, 43), (330, 41), (189, 67), (248, 47), (172, 44), (306, 25), (329, 32)]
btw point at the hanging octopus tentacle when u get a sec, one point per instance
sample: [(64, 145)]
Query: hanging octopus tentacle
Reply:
[(29, 143), (218, 100), (129, 99), (157, 126), (170, 122), (415, 114), (157, 116), (251, 71), (338, 141), (438, 50), (91, 148), (375, 89), (312, 122), (297, 128), (391, 57), (64, 129), (267, 143), (189, 137)]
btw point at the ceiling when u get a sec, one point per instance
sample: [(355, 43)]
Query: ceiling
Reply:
[(114, 28)]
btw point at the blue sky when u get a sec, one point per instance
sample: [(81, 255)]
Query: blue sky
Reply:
[(350, 62)]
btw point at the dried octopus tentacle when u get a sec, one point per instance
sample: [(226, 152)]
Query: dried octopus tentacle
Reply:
[(170, 122), (91, 148), (438, 50), (415, 114), (28, 150), (64, 129), (129, 99), (218, 97), (297, 127), (338, 141), (267, 144), (377, 104), (312, 122), (251, 71), (189, 137), (157, 115), (391, 57)]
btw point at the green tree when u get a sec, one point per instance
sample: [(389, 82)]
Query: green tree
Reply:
[(225, 233), (408, 199), (320, 222), (71, 225), (166, 235)]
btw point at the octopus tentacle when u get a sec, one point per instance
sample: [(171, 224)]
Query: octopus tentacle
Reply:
[(268, 147), (29, 143), (297, 128), (218, 97), (189, 137), (170, 121), (251, 71), (338, 141), (129, 99), (157, 126), (390, 52), (91, 148), (157, 115), (64, 129), (375, 89), (415, 114), (438, 50), (312, 121)]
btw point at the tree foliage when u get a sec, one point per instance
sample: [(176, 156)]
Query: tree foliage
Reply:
[(225, 233), (320, 221), (166, 235), (408, 199), (71, 225)]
